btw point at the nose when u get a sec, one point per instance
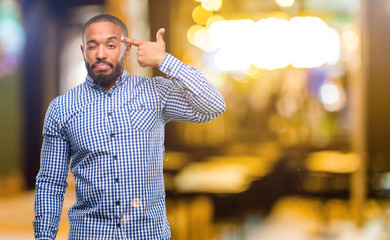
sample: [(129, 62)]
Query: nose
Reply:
[(101, 53)]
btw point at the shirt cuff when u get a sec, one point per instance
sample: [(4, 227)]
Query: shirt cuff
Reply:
[(170, 65)]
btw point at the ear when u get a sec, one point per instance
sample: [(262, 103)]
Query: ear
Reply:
[(127, 53), (82, 50)]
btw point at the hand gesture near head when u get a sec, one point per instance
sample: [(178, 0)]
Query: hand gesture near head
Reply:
[(149, 54)]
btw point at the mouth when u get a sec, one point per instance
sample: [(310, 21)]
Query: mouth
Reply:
[(102, 66)]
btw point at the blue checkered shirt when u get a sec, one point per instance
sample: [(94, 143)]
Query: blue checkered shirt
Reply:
[(115, 139)]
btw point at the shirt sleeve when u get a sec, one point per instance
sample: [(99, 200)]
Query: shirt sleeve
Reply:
[(51, 179), (189, 96)]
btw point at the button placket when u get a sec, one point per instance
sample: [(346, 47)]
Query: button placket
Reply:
[(110, 115), (115, 157)]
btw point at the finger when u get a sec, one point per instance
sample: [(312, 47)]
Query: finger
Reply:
[(131, 41), (125, 39), (160, 35)]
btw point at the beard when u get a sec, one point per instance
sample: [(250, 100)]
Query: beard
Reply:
[(102, 77)]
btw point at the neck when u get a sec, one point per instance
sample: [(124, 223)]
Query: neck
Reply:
[(108, 85)]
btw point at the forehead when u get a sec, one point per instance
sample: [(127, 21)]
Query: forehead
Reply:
[(102, 30)]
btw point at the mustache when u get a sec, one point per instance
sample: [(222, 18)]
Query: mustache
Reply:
[(100, 62)]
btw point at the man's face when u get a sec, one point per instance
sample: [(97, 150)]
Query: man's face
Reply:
[(104, 52)]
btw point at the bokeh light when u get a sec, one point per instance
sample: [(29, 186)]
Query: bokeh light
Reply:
[(271, 43), (270, 46), (350, 40), (312, 42), (213, 19), (285, 3), (191, 32), (199, 36), (332, 96), (200, 15), (235, 40), (12, 37), (212, 5), (333, 161)]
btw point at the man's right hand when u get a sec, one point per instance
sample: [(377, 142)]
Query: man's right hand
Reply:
[(149, 54)]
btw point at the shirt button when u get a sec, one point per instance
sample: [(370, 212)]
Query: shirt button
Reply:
[(118, 225), (115, 157), (112, 134), (116, 179), (109, 113), (118, 202), (109, 95)]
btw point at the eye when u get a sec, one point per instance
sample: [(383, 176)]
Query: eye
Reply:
[(91, 47), (111, 46)]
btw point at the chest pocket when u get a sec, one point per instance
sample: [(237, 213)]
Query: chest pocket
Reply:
[(143, 116)]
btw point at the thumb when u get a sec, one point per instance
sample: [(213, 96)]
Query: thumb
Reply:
[(160, 35)]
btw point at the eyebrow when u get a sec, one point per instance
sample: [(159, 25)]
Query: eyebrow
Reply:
[(108, 39), (112, 38)]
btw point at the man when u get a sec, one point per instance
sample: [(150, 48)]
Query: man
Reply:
[(112, 127)]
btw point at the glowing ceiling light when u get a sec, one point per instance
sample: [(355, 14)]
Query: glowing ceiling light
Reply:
[(232, 34), (311, 42), (303, 42), (270, 48), (285, 3), (235, 40), (332, 53), (218, 32), (212, 5), (232, 61)]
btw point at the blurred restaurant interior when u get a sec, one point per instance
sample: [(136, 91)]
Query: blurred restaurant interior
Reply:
[(301, 151)]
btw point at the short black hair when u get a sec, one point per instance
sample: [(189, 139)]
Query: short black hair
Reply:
[(106, 18)]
